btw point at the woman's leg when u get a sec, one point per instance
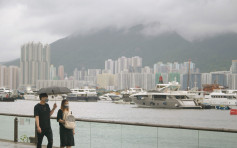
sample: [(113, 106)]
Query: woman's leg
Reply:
[(68, 146)]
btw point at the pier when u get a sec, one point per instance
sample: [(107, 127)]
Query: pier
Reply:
[(17, 130)]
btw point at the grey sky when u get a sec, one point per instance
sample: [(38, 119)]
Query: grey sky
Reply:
[(22, 21)]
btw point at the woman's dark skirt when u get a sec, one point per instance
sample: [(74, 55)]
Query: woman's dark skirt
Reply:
[(66, 137)]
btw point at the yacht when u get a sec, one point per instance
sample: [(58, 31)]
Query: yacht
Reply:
[(127, 93), (30, 95), (170, 100), (217, 97), (6, 95), (166, 96), (83, 95), (110, 97), (171, 86), (5, 90)]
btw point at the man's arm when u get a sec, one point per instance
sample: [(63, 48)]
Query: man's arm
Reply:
[(54, 107), (37, 124), (52, 111)]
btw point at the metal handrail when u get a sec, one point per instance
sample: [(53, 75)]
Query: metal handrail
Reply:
[(138, 124)]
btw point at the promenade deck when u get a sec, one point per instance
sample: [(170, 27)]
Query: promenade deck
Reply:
[(10, 144)]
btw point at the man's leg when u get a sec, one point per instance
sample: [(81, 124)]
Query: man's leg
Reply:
[(40, 138), (49, 135)]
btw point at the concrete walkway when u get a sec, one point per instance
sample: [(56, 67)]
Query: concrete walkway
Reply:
[(10, 144)]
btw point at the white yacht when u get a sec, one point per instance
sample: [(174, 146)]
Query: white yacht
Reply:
[(132, 91), (171, 86), (56, 97), (127, 93), (83, 94), (175, 86), (217, 97), (110, 97), (30, 95), (5, 90)]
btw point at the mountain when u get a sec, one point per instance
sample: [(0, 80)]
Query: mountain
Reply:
[(15, 62), (91, 50)]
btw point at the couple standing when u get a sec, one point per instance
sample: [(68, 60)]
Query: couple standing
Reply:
[(42, 115)]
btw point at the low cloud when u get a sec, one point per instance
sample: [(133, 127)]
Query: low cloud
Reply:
[(46, 21)]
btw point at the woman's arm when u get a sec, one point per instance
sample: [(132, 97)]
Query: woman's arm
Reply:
[(61, 121), (60, 117)]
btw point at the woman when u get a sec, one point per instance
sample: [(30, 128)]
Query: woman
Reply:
[(66, 135)]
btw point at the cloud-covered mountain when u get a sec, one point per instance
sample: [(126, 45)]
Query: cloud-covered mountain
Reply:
[(91, 50)]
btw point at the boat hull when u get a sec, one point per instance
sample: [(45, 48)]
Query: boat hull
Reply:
[(82, 99), (169, 104), (7, 99)]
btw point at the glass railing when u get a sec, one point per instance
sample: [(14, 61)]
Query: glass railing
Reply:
[(26, 129), (7, 127), (106, 134)]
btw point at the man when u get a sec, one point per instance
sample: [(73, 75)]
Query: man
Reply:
[(42, 115)]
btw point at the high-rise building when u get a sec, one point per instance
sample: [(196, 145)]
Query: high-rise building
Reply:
[(147, 69), (106, 81), (61, 72), (14, 77), (9, 76), (232, 81), (188, 65), (52, 73), (219, 77), (3, 76), (195, 81), (128, 80), (109, 66), (34, 63), (206, 78), (122, 64), (136, 61), (234, 67)]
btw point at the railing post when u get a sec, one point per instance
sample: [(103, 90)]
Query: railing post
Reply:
[(16, 129)]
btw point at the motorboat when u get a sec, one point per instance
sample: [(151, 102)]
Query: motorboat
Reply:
[(170, 100), (83, 95), (6, 95), (217, 97), (110, 97), (127, 93)]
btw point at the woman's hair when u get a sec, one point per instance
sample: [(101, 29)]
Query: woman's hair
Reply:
[(62, 105)]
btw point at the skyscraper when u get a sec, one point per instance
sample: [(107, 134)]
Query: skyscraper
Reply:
[(9, 76), (61, 72), (52, 73), (35, 61), (109, 66), (234, 66)]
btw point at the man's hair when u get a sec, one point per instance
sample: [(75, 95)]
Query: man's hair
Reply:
[(43, 95)]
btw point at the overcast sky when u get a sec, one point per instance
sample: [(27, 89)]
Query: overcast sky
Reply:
[(22, 21)]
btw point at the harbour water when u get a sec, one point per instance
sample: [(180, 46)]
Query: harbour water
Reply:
[(131, 113), (96, 135)]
